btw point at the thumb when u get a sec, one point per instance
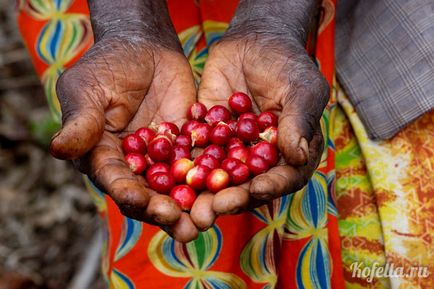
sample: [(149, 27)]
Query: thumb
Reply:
[(300, 118), (82, 117)]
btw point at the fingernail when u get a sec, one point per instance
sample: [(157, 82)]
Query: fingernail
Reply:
[(304, 146)]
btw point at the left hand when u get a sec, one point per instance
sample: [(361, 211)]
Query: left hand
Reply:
[(134, 75), (279, 77)]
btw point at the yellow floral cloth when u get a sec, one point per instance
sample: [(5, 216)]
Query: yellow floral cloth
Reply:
[(385, 200)]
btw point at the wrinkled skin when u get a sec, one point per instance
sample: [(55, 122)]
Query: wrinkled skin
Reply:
[(136, 74), (117, 87), (281, 78)]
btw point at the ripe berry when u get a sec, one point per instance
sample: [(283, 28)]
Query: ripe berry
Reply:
[(179, 152), (161, 182), (267, 119), (247, 130), (229, 164), (184, 196), (239, 153), (239, 174), (196, 177), (160, 149), (266, 151), (188, 126), (183, 140), (207, 161), (240, 103), (220, 134), (157, 168), (234, 142), (197, 111), (248, 115), (168, 127), (216, 114), (136, 162), (257, 165), (269, 135), (216, 151), (133, 143), (180, 168), (200, 135), (146, 134), (217, 180)]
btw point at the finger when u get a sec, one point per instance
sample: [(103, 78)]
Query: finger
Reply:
[(275, 182), (301, 113), (231, 200), (163, 210), (286, 179), (202, 213), (110, 172), (83, 119), (183, 230)]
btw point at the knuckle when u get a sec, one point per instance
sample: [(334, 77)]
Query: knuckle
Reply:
[(66, 84), (66, 88), (127, 195), (320, 90), (73, 83), (318, 98), (129, 200), (324, 89)]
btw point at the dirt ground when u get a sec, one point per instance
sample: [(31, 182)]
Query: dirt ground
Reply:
[(47, 220)]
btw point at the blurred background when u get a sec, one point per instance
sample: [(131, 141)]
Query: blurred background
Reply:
[(49, 235)]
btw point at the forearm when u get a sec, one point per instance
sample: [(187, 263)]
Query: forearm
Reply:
[(287, 19), (144, 19)]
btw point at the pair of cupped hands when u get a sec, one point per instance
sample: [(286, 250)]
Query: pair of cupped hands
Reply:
[(125, 82)]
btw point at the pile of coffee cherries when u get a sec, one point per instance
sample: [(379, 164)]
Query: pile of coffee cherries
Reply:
[(212, 151)]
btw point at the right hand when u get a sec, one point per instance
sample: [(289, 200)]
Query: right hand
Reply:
[(119, 85)]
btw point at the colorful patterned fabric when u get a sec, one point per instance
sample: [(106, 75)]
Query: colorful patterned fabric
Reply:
[(293, 242), (385, 197)]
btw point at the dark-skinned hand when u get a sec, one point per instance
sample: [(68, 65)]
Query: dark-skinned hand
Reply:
[(279, 76), (120, 85)]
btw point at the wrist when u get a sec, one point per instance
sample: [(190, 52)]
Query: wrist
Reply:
[(282, 20), (133, 20)]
